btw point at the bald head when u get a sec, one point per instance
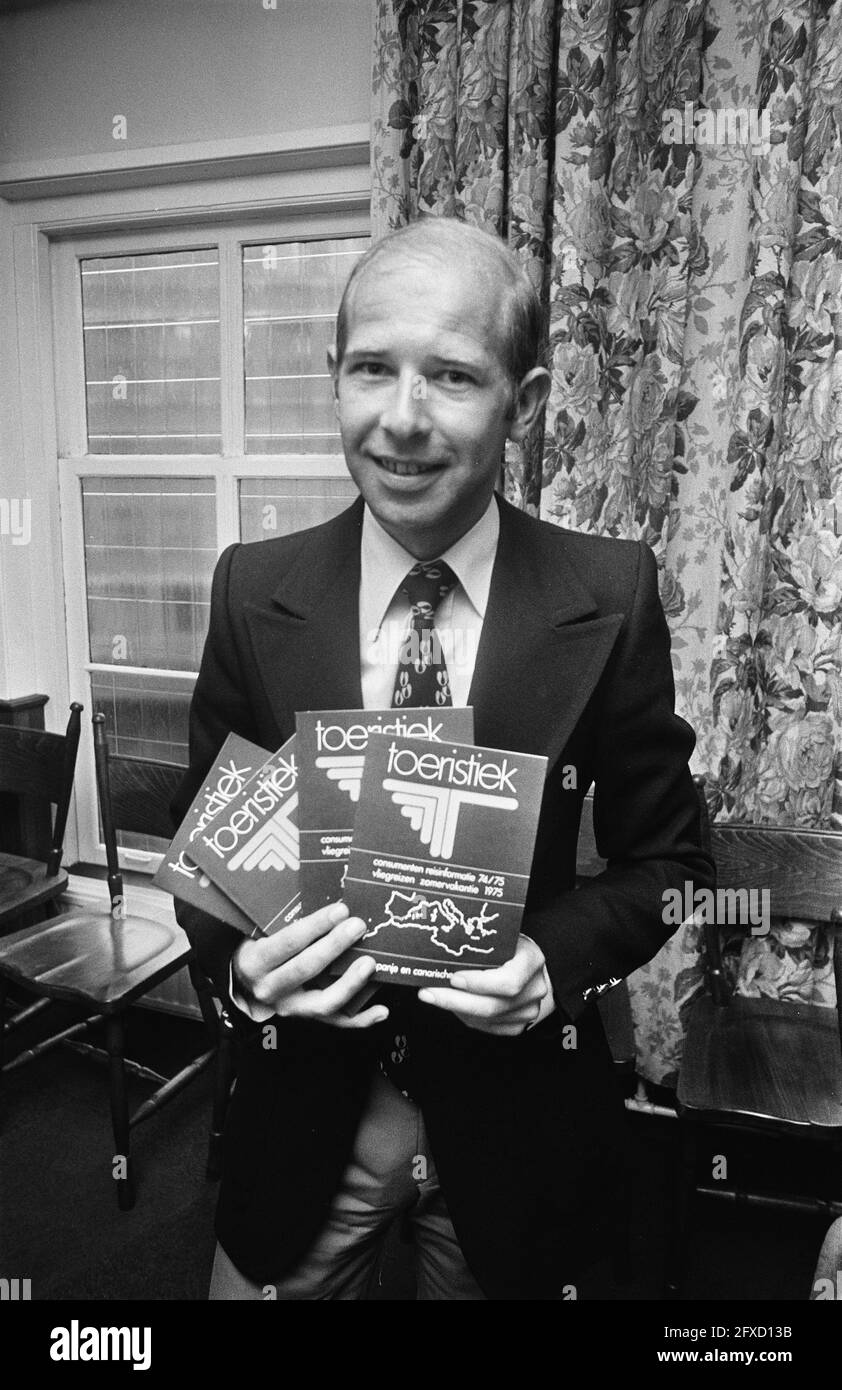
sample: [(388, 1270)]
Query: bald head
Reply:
[(486, 260)]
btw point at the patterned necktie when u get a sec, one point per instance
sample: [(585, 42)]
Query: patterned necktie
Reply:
[(421, 679)]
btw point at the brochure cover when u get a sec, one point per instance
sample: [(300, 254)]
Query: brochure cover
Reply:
[(331, 752), (442, 848), (236, 763), (250, 850)]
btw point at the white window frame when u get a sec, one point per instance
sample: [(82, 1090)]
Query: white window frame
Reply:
[(49, 237)]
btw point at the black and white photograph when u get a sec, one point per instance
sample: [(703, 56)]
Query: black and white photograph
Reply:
[(429, 413)]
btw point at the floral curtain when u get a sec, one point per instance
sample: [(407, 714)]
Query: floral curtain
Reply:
[(670, 173)]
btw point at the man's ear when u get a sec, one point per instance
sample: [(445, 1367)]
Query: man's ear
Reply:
[(333, 368), (528, 402)]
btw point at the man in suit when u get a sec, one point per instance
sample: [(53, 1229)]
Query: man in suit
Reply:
[(506, 1151)]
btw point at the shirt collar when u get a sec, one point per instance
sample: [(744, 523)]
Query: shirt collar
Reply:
[(384, 563)]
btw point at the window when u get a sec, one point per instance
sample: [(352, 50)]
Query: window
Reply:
[(152, 350), (290, 297), (195, 409)]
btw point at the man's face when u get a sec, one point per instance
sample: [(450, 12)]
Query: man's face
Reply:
[(423, 396)]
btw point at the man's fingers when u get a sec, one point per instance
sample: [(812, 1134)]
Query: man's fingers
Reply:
[(478, 1006), (360, 999), (330, 1005), (498, 1029), (507, 986), (453, 1002), (280, 946), (486, 1015), (300, 969), (303, 1003), (505, 981), (366, 1019), (517, 976), (255, 959), (342, 992)]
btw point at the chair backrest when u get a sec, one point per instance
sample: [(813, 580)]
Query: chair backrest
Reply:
[(134, 795), (792, 873), (802, 869), (36, 763)]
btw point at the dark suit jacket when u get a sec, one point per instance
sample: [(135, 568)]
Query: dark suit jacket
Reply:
[(574, 663)]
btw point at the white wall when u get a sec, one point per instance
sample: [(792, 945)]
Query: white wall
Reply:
[(180, 71)]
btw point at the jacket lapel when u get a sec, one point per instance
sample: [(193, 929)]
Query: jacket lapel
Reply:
[(307, 643), (542, 648), (540, 656)]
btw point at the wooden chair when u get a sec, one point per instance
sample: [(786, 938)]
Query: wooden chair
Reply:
[(37, 764), (759, 1065), (105, 961)]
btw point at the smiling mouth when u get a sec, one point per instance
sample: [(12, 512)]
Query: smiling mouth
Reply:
[(405, 468)]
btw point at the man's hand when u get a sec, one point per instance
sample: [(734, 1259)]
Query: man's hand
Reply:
[(276, 971), (505, 1001)]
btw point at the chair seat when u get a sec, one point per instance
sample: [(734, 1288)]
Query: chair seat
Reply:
[(88, 957), (768, 1062), (25, 884)]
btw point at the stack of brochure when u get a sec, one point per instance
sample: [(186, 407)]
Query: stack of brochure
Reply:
[(426, 837)]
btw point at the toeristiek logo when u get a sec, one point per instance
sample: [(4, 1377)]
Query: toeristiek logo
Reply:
[(433, 812), (340, 748), (346, 770), (230, 783), (264, 805), (83, 1343), (339, 738), (274, 846)]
